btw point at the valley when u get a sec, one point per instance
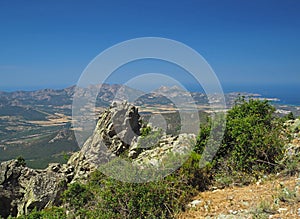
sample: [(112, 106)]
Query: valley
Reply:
[(37, 125)]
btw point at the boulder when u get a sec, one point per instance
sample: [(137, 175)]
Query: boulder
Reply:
[(23, 189), (166, 147), (118, 127)]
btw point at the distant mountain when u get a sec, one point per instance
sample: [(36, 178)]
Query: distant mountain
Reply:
[(105, 94)]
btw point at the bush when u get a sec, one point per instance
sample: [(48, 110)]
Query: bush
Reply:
[(160, 199), (21, 161), (252, 137), (251, 142), (49, 213), (203, 136), (116, 199), (77, 196), (145, 200)]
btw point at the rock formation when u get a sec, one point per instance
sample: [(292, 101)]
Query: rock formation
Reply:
[(292, 149), (117, 133), (118, 127), (22, 189)]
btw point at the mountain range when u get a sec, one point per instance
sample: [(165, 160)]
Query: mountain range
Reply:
[(38, 124)]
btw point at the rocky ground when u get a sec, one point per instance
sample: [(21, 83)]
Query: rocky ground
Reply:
[(277, 198)]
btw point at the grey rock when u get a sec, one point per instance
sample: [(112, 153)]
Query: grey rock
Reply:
[(194, 203), (23, 189), (167, 145), (117, 128)]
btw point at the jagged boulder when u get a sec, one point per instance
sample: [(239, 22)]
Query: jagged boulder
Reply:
[(166, 146), (80, 167), (118, 127), (23, 188)]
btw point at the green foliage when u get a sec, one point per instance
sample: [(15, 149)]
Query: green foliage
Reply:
[(202, 138), (292, 165), (105, 197), (198, 178), (21, 161), (145, 131), (146, 200), (149, 138), (289, 116), (66, 156), (251, 140), (77, 195), (48, 213)]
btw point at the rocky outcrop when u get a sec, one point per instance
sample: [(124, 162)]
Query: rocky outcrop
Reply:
[(118, 128), (23, 189), (292, 149), (62, 134), (117, 133), (167, 145)]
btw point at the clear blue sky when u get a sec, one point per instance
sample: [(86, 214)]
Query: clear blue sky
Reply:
[(49, 43)]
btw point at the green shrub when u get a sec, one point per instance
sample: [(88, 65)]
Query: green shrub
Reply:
[(251, 142), (48, 213), (289, 116), (157, 199), (203, 136), (292, 165), (149, 138), (252, 137), (21, 161), (77, 196), (145, 130)]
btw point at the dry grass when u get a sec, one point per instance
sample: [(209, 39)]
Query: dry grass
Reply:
[(247, 200)]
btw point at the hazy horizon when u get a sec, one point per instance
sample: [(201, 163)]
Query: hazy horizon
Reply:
[(50, 43)]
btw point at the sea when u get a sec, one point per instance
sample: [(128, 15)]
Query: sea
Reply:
[(288, 94)]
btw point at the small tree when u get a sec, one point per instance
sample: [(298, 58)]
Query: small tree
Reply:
[(252, 137), (251, 140)]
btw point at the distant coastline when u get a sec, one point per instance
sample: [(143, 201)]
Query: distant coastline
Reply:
[(287, 94), (284, 94)]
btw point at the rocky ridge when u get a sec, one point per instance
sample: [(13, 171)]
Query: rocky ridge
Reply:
[(117, 134)]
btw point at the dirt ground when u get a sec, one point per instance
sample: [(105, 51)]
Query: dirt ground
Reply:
[(277, 198)]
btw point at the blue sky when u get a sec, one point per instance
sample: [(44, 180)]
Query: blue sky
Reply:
[(49, 43)]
